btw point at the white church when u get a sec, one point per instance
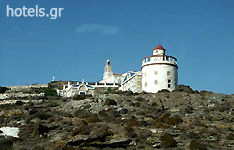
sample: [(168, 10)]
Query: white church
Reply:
[(158, 72)]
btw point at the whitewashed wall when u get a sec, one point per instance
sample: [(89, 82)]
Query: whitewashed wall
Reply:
[(149, 77)]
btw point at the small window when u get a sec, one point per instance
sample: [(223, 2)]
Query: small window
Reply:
[(168, 73), (145, 74), (145, 84), (169, 85), (169, 80), (82, 93), (155, 82), (156, 72)]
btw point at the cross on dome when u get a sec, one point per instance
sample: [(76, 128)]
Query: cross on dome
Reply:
[(53, 78)]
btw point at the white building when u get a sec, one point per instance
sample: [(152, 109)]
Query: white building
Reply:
[(132, 82), (129, 81), (83, 88), (159, 71)]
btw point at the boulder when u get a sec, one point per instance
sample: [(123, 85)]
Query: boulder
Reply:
[(196, 145), (167, 141)]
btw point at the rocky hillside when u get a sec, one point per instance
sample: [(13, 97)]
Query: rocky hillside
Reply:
[(183, 119)]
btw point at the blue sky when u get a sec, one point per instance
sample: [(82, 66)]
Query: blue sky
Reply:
[(200, 34)]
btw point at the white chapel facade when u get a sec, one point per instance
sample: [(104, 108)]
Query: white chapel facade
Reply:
[(109, 76)]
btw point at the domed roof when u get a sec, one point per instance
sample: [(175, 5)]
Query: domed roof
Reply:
[(159, 47)]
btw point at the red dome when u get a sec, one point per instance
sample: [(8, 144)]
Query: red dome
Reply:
[(159, 47)]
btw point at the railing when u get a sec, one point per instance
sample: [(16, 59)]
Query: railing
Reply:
[(159, 59), (96, 84)]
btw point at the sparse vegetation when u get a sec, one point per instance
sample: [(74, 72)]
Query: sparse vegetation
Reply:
[(112, 90), (194, 145), (122, 121), (42, 115), (3, 89), (132, 122), (167, 141), (92, 119)]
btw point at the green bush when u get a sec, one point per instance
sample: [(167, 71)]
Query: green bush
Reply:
[(57, 84), (143, 92), (50, 92)]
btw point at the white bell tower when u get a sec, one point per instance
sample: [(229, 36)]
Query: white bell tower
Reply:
[(108, 76)]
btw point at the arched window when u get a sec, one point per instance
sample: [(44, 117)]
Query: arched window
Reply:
[(83, 88), (155, 72), (145, 84), (168, 73), (155, 81)]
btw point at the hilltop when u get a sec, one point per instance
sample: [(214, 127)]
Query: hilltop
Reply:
[(111, 119)]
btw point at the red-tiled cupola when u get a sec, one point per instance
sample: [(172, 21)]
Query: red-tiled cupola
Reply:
[(159, 47)]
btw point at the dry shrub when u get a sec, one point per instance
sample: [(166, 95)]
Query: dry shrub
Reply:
[(130, 132), (167, 141), (123, 111), (53, 104), (110, 102), (170, 120), (81, 97), (92, 119), (194, 144), (42, 115), (132, 122), (82, 114), (82, 129)]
